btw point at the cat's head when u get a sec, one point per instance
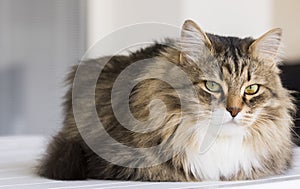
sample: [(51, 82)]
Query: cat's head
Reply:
[(237, 76)]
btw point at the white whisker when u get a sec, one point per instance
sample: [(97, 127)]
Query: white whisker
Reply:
[(295, 133)]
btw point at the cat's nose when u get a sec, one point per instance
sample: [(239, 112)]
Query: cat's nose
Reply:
[(233, 111)]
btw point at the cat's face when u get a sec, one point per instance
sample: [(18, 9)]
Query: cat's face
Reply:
[(237, 77), (247, 93)]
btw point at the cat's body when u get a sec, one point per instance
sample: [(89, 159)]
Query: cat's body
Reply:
[(254, 141)]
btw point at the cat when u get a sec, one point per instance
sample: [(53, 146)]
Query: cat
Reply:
[(232, 77)]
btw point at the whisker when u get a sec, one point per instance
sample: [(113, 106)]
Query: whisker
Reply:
[(295, 133), (268, 116)]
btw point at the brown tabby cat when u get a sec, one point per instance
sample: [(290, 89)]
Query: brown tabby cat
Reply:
[(233, 77)]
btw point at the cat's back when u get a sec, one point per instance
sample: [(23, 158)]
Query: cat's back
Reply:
[(100, 75)]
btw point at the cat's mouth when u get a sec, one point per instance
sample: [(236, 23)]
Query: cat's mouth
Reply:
[(231, 124), (227, 122), (232, 121)]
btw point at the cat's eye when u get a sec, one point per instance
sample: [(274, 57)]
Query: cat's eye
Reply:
[(252, 89), (212, 86)]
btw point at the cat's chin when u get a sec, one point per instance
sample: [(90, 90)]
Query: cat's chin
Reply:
[(232, 128)]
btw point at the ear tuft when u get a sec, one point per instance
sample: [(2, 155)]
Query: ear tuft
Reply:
[(193, 41), (267, 46)]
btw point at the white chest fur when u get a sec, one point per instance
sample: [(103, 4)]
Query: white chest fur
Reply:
[(225, 157), (224, 153)]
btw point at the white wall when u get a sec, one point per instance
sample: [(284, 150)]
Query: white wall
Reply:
[(105, 16), (39, 41), (231, 17), (286, 14), (99, 19)]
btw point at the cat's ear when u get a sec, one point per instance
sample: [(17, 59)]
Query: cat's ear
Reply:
[(194, 42), (268, 46)]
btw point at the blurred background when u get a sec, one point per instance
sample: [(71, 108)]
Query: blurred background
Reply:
[(41, 39)]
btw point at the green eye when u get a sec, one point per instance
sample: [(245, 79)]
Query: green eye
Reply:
[(252, 89), (212, 86)]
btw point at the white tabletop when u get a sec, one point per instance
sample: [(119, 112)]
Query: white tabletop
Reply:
[(19, 154)]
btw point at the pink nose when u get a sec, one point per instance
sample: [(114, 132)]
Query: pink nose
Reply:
[(233, 111)]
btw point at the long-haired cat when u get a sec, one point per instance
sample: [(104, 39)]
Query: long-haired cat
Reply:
[(233, 79)]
